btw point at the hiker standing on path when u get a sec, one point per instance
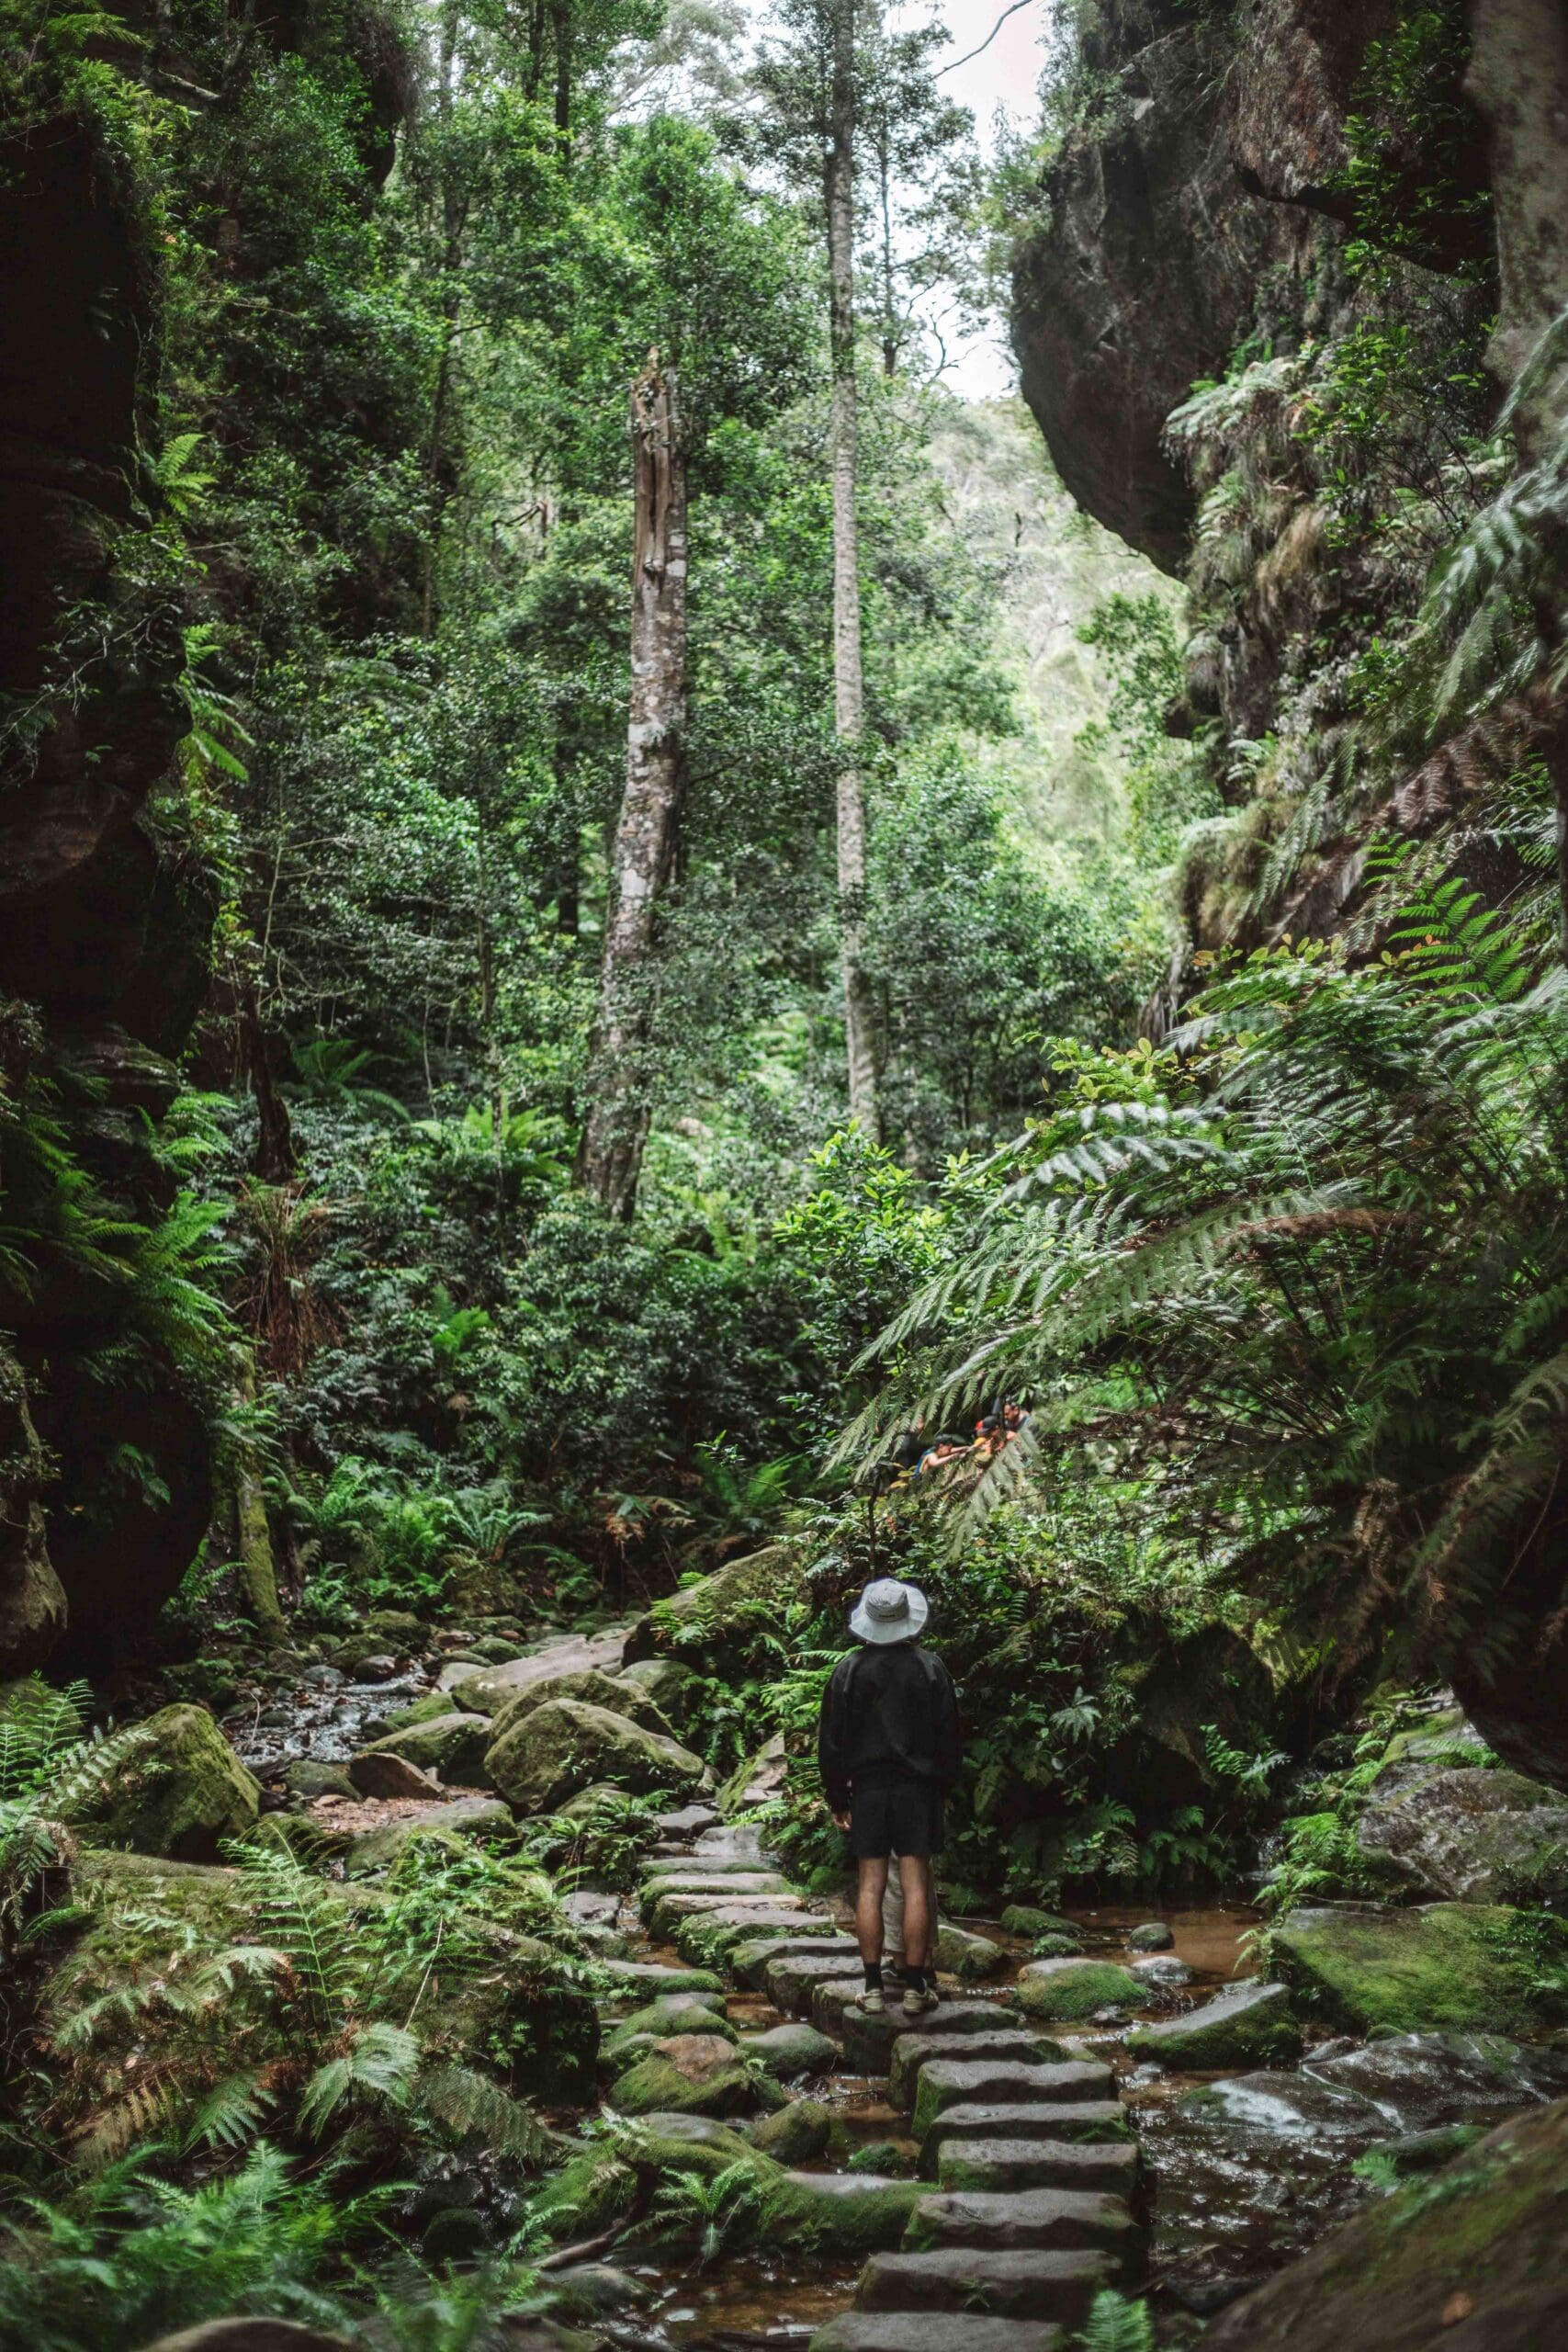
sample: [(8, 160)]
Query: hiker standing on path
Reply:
[(888, 1747)]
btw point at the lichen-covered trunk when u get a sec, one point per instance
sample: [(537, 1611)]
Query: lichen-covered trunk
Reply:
[(849, 692), (1518, 80), (610, 1162)]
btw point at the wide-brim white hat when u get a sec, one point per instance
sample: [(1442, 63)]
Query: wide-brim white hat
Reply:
[(889, 1611)]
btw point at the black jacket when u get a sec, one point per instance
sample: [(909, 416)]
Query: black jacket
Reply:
[(887, 1709)]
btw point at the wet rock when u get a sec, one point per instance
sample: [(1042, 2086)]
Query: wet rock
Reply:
[(590, 1688), (1162, 1972), (1153, 1936), (1021, 2219), (687, 2073), (431, 1708), (1032, 2285), (451, 1747), (796, 2135), (686, 1865), (480, 1817), (1076, 1988), (789, 2052), (665, 1903), (377, 1668), (305, 1778), (1476, 2269), (825, 1956), (1418, 2082), (178, 1790), (686, 1820), (1284, 2107), (1249, 2024), (494, 1649), (1003, 2166), (380, 1773), (1471, 1835), (1454, 1967), (565, 1746), (792, 1979), (968, 1957), (1022, 1919), (950, 2082)]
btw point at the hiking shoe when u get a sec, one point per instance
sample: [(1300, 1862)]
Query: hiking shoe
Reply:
[(919, 2001), (872, 2002)]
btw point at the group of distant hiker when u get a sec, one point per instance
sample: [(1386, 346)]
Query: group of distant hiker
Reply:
[(912, 1456)]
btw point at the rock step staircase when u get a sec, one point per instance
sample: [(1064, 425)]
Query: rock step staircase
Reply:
[(1034, 2169)]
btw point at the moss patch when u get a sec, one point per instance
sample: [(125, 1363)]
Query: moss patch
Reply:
[(1457, 1967), (1076, 1988)]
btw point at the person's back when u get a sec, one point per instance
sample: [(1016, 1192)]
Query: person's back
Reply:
[(888, 1745)]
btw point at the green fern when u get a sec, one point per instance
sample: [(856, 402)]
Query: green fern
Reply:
[(1117, 2325)]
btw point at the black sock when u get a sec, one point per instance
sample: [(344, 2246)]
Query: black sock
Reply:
[(873, 1976), (915, 1978)]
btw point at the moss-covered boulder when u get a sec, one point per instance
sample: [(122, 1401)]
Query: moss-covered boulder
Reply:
[(673, 2013), (757, 1780), (706, 1938), (1459, 1967), (789, 2052), (687, 2073), (673, 1689), (425, 1710), (1023, 1919), (846, 2215), (554, 1750), (1467, 2260), (965, 1955), (1467, 1834), (1246, 2025), (482, 1820), (590, 1688), (172, 1786), (716, 1619), (796, 2135), (1076, 1988), (452, 1746)]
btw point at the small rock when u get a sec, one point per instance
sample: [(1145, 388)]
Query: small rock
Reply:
[(1076, 1988), (306, 1777), (966, 1956), (1162, 1971), (1153, 1936), (789, 2052), (796, 2134), (1023, 1919), (378, 1773), (376, 1668)]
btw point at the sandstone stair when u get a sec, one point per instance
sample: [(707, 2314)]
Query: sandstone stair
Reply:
[(1034, 2169)]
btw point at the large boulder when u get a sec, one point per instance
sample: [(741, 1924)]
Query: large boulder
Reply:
[(591, 1688), (485, 1819), (673, 1688), (687, 2073), (484, 1692), (1468, 2260), (716, 1619), (450, 1746), (170, 1786), (1454, 1967), (1249, 2024), (565, 1746), (1469, 1834)]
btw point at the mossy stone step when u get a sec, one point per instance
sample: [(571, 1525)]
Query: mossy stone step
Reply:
[(791, 1980), (662, 1906), (955, 2081), (838, 2213), (1023, 2285), (645, 1979), (750, 1961), (934, 2332), (688, 1861), (1089, 2119), (1002, 2166), (706, 1938), (1058, 2220), (913, 2051)]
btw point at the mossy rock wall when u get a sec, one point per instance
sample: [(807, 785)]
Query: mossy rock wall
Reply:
[(1456, 1967)]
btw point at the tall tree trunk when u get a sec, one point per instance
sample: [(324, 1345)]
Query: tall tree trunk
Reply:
[(849, 686), (610, 1162), (253, 1536), (561, 20), (277, 1158), (1518, 81)]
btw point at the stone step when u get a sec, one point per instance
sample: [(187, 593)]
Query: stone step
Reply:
[(1060, 2220), (791, 1979), (715, 1933), (1002, 2166), (868, 2040), (934, 2332), (645, 1979), (955, 2081), (685, 1821), (662, 1905), (712, 1870), (1025, 2285), (735, 1845), (1089, 2119), (751, 1960), (913, 2051)]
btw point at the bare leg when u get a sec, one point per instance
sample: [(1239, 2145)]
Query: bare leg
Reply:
[(914, 1870), (868, 1907), (893, 1915)]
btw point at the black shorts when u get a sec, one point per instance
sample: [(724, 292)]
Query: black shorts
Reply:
[(894, 1815)]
